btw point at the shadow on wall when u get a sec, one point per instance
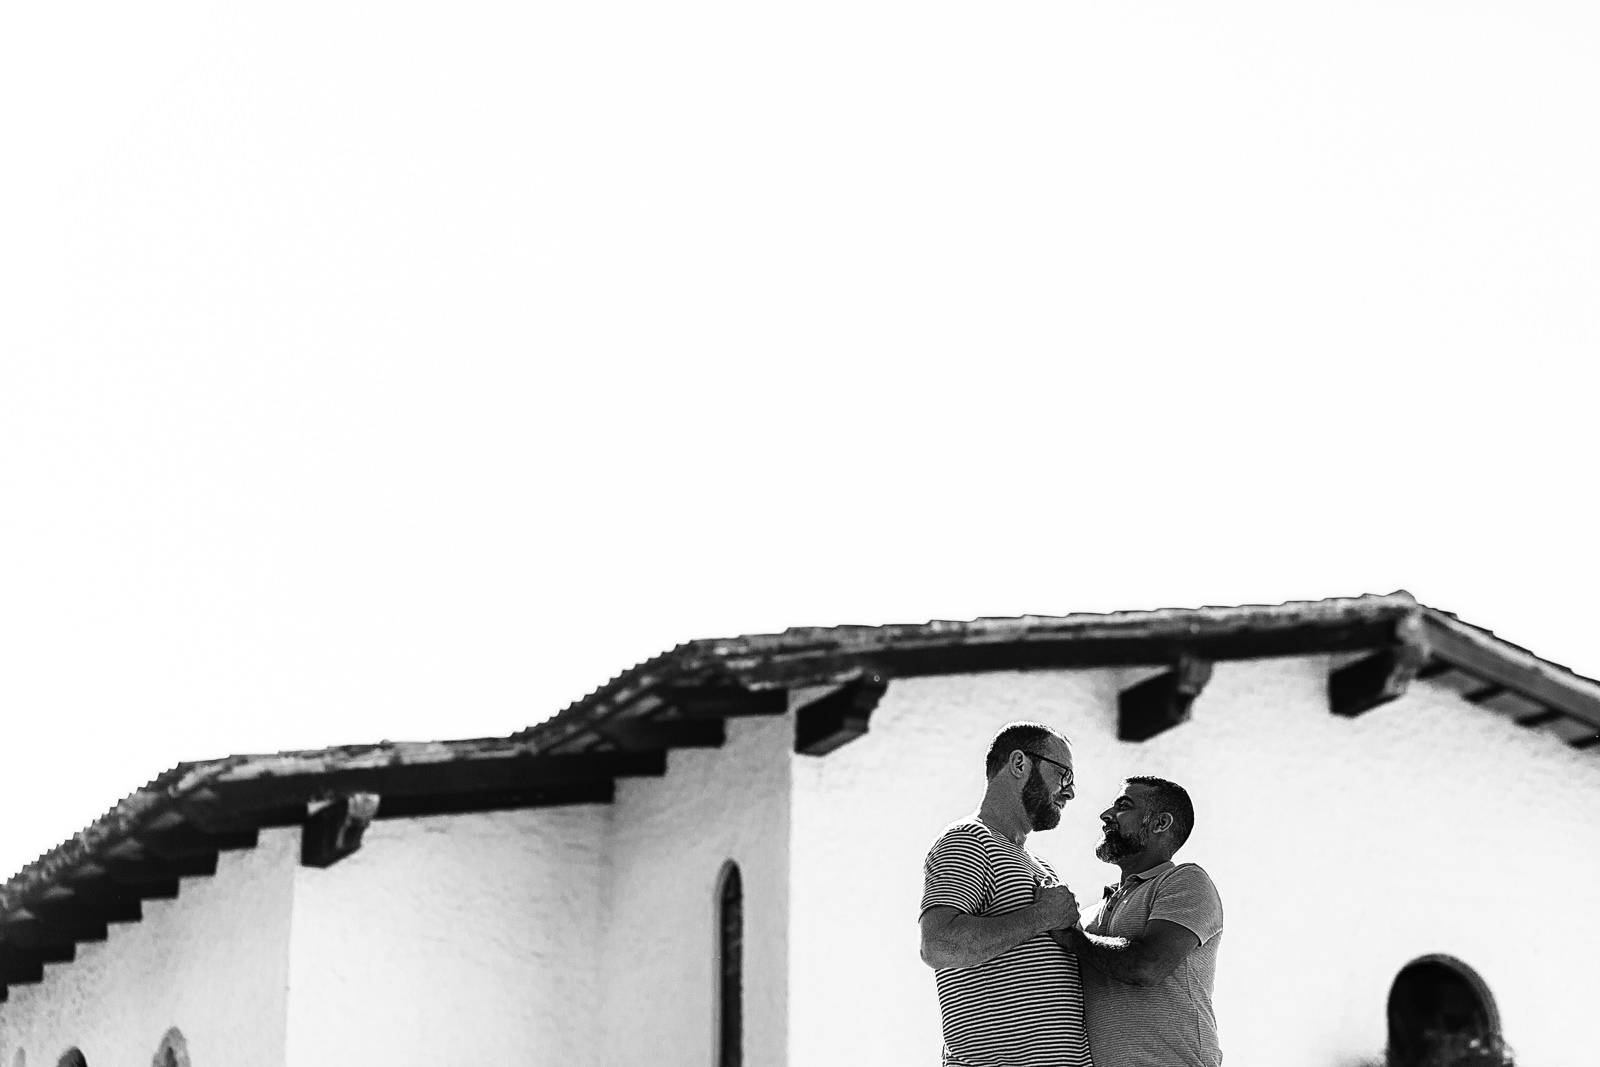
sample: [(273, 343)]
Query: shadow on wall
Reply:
[(1441, 1014)]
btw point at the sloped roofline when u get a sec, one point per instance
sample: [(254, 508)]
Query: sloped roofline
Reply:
[(280, 785)]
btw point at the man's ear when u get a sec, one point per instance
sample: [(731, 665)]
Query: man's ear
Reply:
[(1017, 756), (1161, 823)]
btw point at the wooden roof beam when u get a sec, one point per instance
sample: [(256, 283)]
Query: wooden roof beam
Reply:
[(1383, 676), (420, 805), (149, 876), (150, 885), (27, 930), (1157, 704), (207, 812), (96, 879), (97, 900), (724, 701), (19, 966), (463, 777), (334, 832), (187, 840), (644, 735), (27, 947), (840, 717)]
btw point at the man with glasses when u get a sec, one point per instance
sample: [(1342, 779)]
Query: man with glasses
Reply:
[(1009, 995)]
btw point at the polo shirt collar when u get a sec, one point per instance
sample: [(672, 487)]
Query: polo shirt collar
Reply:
[(1143, 876), (1161, 868)]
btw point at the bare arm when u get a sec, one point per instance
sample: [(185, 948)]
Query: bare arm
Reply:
[(1143, 962), (952, 938)]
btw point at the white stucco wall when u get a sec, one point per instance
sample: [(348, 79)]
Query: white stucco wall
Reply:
[(671, 837), (1342, 849), (567, 937), (213, 962), (452, 940), (563, 937)]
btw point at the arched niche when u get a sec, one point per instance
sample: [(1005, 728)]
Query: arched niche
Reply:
[(173, 1051), (1437, 996), (730, 967), (72, 1058)]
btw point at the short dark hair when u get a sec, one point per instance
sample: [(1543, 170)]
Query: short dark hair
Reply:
[(1013, 736), (1172, 798)]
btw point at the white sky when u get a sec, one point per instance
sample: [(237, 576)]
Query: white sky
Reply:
[(406, 371)]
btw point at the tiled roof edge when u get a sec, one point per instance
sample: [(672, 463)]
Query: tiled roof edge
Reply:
[(719, 659), (695, 660), (127, 816)]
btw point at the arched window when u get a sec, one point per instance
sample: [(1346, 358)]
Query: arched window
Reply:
[(730, 968), (72, 1058), (174, 1050), (1438, 1003)]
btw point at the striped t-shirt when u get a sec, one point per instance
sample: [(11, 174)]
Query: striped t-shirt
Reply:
[(1024, 1008)]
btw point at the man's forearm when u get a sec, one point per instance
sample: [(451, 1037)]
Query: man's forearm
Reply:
[(971, 940), (1115, 957)]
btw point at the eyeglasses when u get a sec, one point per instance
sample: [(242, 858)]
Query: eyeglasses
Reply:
[(1066, 772)]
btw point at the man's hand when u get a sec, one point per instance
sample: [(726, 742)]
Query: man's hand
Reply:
[(953, 939), (1056, 905), (1146, 961)]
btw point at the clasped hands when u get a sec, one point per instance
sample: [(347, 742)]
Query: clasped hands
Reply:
[(1056, 906)]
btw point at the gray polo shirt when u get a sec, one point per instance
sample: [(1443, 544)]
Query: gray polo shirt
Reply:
[(1170, 1024)]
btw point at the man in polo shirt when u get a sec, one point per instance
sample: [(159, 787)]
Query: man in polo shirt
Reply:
[(1150, 953), (1008, 994)]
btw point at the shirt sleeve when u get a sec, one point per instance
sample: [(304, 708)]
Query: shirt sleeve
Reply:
[(956, 873), (1188, 897)]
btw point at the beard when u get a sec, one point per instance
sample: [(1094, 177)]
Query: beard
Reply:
[(1043, 814), (1117, 845)]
